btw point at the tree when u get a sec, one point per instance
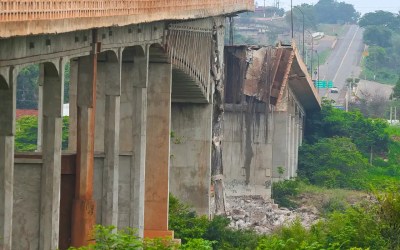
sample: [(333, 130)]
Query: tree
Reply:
[(396, 90), (332, 162), (376, 59), (377, 36), (309, 17), (331, 11), (365, 133), (380, 18), (27, 87)]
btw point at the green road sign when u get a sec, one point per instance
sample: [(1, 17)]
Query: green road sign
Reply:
[(323, 84)]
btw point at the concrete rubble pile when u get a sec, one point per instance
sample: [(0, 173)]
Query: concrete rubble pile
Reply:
[(254, 212)]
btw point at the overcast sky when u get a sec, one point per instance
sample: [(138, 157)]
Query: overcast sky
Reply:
[(362, 6)]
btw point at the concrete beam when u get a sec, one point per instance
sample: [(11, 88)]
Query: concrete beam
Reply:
[(53, 93), (7, 133)]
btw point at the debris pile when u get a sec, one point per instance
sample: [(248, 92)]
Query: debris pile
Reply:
[(254, 212)]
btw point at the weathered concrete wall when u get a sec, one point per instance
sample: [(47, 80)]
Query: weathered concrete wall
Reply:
[(280, 150), (190, 177), (247, 156), (287, 136), (26, 216), (125, 186)]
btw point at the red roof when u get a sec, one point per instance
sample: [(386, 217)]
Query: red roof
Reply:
[(26, 112)]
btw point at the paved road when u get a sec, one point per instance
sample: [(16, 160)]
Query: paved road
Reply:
[(343, 62)]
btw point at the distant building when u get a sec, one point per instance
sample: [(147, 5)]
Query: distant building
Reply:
[(26, 112)]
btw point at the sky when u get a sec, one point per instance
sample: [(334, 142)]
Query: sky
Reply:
[(362, 6)]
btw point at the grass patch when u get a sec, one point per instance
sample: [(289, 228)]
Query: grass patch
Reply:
[(383, 75), (323, 56), (327, 200), (333, 29)]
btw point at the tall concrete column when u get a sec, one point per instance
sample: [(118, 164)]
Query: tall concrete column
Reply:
[(53, 93), (139, 112), (73, 91), (158, 150), (296, 158), (84, 207), (40, 108), (288, 146), (294, 147), (111, 73), (7, 133)]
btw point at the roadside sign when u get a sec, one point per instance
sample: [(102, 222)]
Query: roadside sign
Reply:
[(323, 84)]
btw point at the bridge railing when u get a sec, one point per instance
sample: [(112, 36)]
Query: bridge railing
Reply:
[(26, 10)]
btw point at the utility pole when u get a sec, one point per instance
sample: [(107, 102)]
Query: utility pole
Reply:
[(231, 24), (303, 26), (264, 8), (291, 15), (312, 49)]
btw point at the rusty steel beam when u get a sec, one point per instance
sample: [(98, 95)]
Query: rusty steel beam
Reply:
[(84, 207)]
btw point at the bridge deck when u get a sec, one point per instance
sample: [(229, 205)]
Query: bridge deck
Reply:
[(26, 17)]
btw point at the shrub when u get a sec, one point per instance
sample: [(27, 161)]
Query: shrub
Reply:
[(389, 213), (334, 205), (284, 191), (357, 228), (108, 238), (198, 244), (184, 222), (332, 162)]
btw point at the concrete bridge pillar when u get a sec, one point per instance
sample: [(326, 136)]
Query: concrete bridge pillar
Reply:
[(7, 133), (84, 207), (139, 72), (157, 145), (73, 91), (53, 92), (191, 154), (109, 71), (40, 108)]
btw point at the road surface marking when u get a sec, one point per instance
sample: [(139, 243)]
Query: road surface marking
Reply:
[(348, 49)]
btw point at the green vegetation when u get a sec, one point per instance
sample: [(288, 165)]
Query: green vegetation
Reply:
[(364, 226), (347, 150), (333, 163), (323, 12), (27, 86), (333, 29), (284, 192), (323, 56), (187, 225), (382, 35), (336, 154), (26, 134)]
